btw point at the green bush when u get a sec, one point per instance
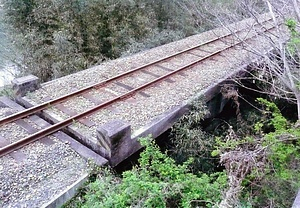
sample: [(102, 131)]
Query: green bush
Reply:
[(60, 37), (280, 181), (267, 163), (189, 140), (156, 182)]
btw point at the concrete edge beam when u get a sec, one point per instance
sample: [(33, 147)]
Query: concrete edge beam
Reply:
[(162, 122), (116, 135), (159, 124), (67, 194), (25, 102), (82, 150)]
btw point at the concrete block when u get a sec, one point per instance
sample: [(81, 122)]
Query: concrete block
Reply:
[(115, 137), (26, 84)]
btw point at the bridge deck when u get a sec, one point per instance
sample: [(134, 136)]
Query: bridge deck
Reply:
[(143, 108)]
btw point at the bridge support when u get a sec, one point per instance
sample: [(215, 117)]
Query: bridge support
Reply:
[(23, 85), (218, 96), (115, 137)]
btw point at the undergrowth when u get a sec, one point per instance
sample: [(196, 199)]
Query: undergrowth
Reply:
[(262, 168), (156, 182)]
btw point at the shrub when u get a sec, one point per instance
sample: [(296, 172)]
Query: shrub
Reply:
[(157, 182), (63, 36), (263, 169), (189, 140)]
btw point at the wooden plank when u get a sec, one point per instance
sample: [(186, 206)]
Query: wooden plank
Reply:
[(157, 76), (127, 87), (194, 54), (26, 126), (11, 104), (38, 121), (170, 70), (92, 98), (66, 110), (31, 130)]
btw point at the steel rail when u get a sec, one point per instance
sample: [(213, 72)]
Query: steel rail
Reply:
[(60, 125), (45, 105)]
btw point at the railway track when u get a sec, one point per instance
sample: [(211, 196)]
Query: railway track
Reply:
[(162, 72)]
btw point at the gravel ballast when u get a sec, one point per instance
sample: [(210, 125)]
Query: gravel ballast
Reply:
[(67, 84), (34, 174), (45, 171)]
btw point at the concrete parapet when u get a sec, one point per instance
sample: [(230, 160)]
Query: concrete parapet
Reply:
[(115, 137), (26, 84)]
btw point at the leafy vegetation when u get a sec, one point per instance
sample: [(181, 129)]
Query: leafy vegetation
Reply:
[(6, 91), (56, 38), (263, 168), (59, 37), (188, 140), (294, 42), (156, 182)]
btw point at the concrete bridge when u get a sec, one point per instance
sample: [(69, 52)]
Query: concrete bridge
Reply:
[(110, 134), (113, 132)]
